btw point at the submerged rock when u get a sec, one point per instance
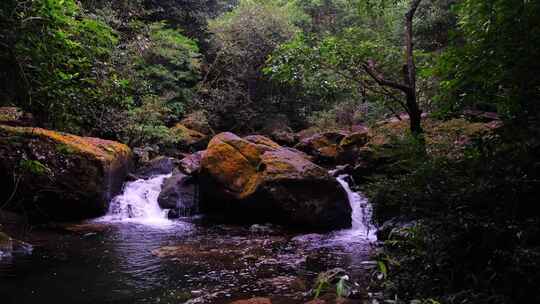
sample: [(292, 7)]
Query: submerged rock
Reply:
[(253, 301), (60, 176), (255, 179)]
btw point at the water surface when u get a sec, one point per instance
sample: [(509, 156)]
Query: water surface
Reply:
[(138, 256)]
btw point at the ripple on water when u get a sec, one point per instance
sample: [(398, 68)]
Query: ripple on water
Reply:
[(123, 259)]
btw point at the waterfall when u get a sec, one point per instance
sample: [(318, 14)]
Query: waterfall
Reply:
[(361, 212), (139, 203)]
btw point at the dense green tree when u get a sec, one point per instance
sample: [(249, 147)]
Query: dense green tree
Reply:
[(369, 57), (493, 62), (234, 89), (62, 57)]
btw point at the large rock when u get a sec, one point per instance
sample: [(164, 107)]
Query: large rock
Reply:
[(197, 121), (60, 176), (188, 139), (179, 192), (254, 179), (325, 147), (351, 145), (157, 166)]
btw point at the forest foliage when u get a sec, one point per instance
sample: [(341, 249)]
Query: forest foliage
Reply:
[(130, 70)]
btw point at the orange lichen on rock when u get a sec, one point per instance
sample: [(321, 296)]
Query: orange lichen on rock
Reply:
[(186, 136), (101, 149), (286, 164), (257, 173), (80, 175), (233, 162)]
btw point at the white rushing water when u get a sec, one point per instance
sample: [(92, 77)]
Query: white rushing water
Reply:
[(138, 203), (361, 233), (361, 214)]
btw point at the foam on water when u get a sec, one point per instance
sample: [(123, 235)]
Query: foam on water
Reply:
[(362, 231), (139, 204), (361, 215)]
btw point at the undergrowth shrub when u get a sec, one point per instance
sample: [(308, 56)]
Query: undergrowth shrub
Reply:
[(475, 236)]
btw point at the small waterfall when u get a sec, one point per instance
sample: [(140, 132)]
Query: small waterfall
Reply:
[(139, 203), (361, 212)]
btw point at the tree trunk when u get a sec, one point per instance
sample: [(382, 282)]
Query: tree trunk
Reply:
[(415, 113)]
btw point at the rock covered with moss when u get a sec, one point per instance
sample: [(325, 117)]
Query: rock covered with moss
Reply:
[(188, 139), (334, 147), (58, 176), (254, 179)]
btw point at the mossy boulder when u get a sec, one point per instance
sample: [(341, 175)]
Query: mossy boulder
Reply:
[(253, 179), (179, 192), (197, 121), (351, 145), (324, 147), (58, 176), (188, 139)]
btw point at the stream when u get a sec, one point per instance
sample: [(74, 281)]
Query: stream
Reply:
[(134, 254)]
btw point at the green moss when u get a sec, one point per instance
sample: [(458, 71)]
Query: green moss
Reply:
[(65, 149), (33, 167)]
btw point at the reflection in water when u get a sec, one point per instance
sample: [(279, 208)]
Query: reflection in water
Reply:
[(123, 259)]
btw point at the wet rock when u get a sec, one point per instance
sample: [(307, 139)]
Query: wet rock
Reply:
[(62, 176), (340, 170), (257, 180), (143, 155), (173, 214), (393, 228), (202, 254), (83, 228), (157, 166), (191, 164), (179, 192), (253, 301)]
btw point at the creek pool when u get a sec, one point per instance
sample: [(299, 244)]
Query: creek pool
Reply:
[(149, 259)]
